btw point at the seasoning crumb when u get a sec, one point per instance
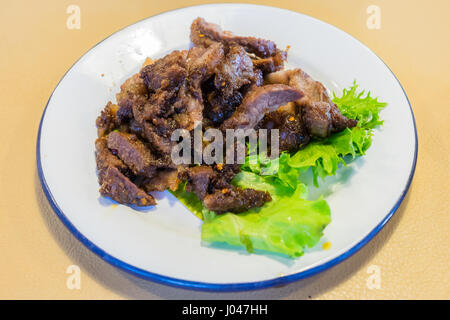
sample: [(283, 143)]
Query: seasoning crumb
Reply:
[(291, 118), (326, 245), (148, 61), (224, 190), (220, 166)]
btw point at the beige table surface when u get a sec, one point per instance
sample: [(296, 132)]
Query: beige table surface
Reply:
[(412, 252)]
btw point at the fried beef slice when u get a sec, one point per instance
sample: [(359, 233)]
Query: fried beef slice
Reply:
[(135, 154), (266, 56), (107, 120), (204, 33), (161, 180), (133, 88), (113, 180), (119, 188), (213, 187), (218, 108), (291, 129), (167, 73), (169, 104), (271, 64), (235, 71), (105, 158), (222, 92), (320, 115), (235, 200), (202, 62), (257, 103), (199, 180)]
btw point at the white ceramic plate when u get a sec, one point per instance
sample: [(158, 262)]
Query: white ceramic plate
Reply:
[(163, 244)]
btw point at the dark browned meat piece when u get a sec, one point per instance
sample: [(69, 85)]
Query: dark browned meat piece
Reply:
[(113, 180), (220, 108), (133, 153), (164, 79), (173, 101), (167, 73), (191, 102), (235, 71), (162, 180), (317, 118), (292, 132), (320, 115), (199, 179), (202, 62), (224, 175), (107, 121), (204, 33), (119, 188), (159, 105), (133, 86), (156, 140), (235, 200), (212, 185), (257, 103), (106, 159), (271, 64)]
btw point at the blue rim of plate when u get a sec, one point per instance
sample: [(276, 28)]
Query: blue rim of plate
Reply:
[(204, 286)]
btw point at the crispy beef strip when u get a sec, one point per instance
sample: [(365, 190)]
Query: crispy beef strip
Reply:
[(135, 154), (191, 101), (164, 109), (222, 93), (257, 103), (199, 180), (107, 120), (235, 200), (166, 73), (271, 64), (105, 158), (202, 62), (119, 188), (265, 55), (113, 180), (292, 131), (131, 89), (162, 180), (204, 33), (213, 187), (235, 71), (320, 115), (218, 108)]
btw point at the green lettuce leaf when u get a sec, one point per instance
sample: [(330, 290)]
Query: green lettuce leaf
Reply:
[(290, 223), (364, 109), (190, 200), (324, 157)]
